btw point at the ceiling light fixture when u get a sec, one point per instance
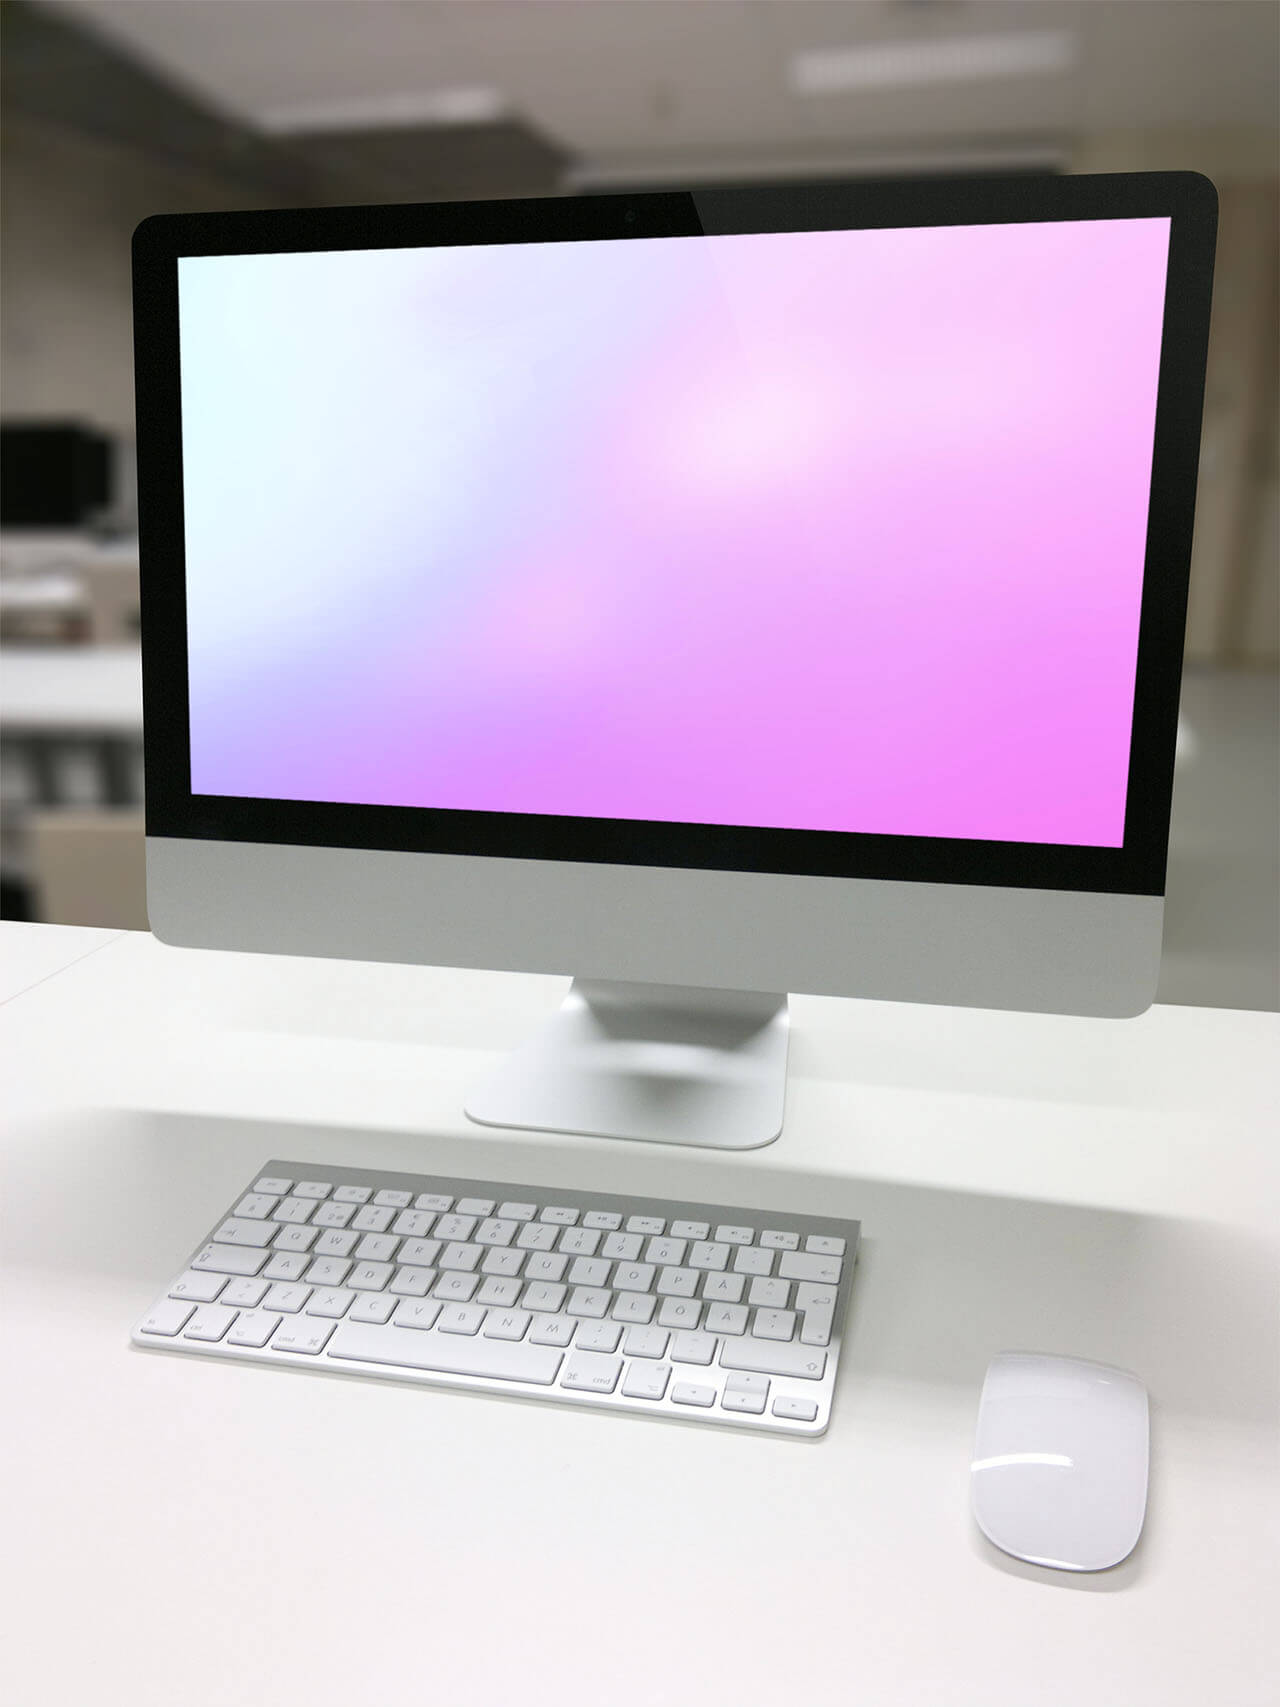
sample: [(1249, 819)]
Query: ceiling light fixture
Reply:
[(945, 59), (463, 105)]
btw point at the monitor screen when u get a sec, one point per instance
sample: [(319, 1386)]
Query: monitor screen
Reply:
[(837, 530)]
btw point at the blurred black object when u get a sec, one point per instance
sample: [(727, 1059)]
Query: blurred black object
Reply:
[(53, 474)]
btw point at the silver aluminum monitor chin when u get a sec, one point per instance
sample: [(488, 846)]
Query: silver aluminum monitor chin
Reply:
[(706, 596)]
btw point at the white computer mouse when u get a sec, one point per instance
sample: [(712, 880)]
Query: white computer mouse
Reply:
[(1059, 1472)]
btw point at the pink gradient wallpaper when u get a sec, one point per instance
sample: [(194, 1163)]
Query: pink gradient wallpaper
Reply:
[(833, 530)]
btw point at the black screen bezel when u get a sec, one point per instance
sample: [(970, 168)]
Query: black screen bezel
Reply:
[(1186, 199)]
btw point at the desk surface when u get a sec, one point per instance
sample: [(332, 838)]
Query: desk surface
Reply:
[(210, 1533)]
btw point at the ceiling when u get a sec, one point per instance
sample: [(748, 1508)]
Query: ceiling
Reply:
[(619, 81)]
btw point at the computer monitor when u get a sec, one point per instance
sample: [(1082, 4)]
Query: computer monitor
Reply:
[(707, 595)]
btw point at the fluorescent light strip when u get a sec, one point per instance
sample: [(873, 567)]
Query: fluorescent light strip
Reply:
[(438, 107), (949, 59)]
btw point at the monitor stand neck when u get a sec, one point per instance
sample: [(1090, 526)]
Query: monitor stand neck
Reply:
[(659, 1062)]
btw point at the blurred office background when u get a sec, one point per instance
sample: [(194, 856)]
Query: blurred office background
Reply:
[(116, 109)]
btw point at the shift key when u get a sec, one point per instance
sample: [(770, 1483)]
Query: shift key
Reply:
[(773, 1357)]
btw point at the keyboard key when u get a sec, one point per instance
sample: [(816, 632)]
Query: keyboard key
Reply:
[(335, 1243), (735, 1235), (295, 1238), (498, 1259), (327, 1271), (533, 1236), (333, 1214), (740, 1382), (460, 1319), (591, 1372), (312, 1188), (634, 1277), (517, 1211), (414, 1313), (305, 1334), (726, 1319), (412, 1282), (774, 1324), (588, 1301), (634, 1307), (723, 1288), (495, 1231), (393, 1199), (817, 1305), (589, 1271), (168, 1317), (199, 1288), (373, 1218), (769, 1358), (474, 1206), (688, 1393), (795, 1410), (421, 1253), (598, 1336), (433, 1201), (646, 1342), (253, 1328), (604, 1220), (377, 1247), (557, 1217), (229, 1259), (665, 1251), (749, 1402), (646, 1224), (678, 1282), (286, 1297), (243, 1294), (690, 1229), (824, 1246), (256, 1205), (274, 1187), (507, 1324), (622, 1247), (464, 1258), (330, 1301), (579, 1241), (373, 1307), (412, 1224), (800, 1265), (693, 1348), (210, 1322), (679, 1313), (543, 1295), (710, 1256), (293, 1211), (498, 1289), (496, 1360), (545, 1265), (752, 1261), (773, 1294), (352, 1194), (286, 1265), (370, 1276), (552, 1330), (772, 1241), (455, 1288), (646, 1380)]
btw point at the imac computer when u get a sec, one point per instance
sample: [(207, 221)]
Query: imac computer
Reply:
[(706, 595)]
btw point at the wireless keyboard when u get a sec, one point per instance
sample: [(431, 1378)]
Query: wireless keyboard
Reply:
[(698, 1310)]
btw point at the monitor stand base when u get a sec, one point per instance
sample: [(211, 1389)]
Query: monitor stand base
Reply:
[(658, 1062)]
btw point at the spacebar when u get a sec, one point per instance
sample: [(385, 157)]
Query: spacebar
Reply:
[(448, 1354)]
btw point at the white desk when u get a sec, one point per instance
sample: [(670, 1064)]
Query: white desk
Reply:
[(207, 1534)]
